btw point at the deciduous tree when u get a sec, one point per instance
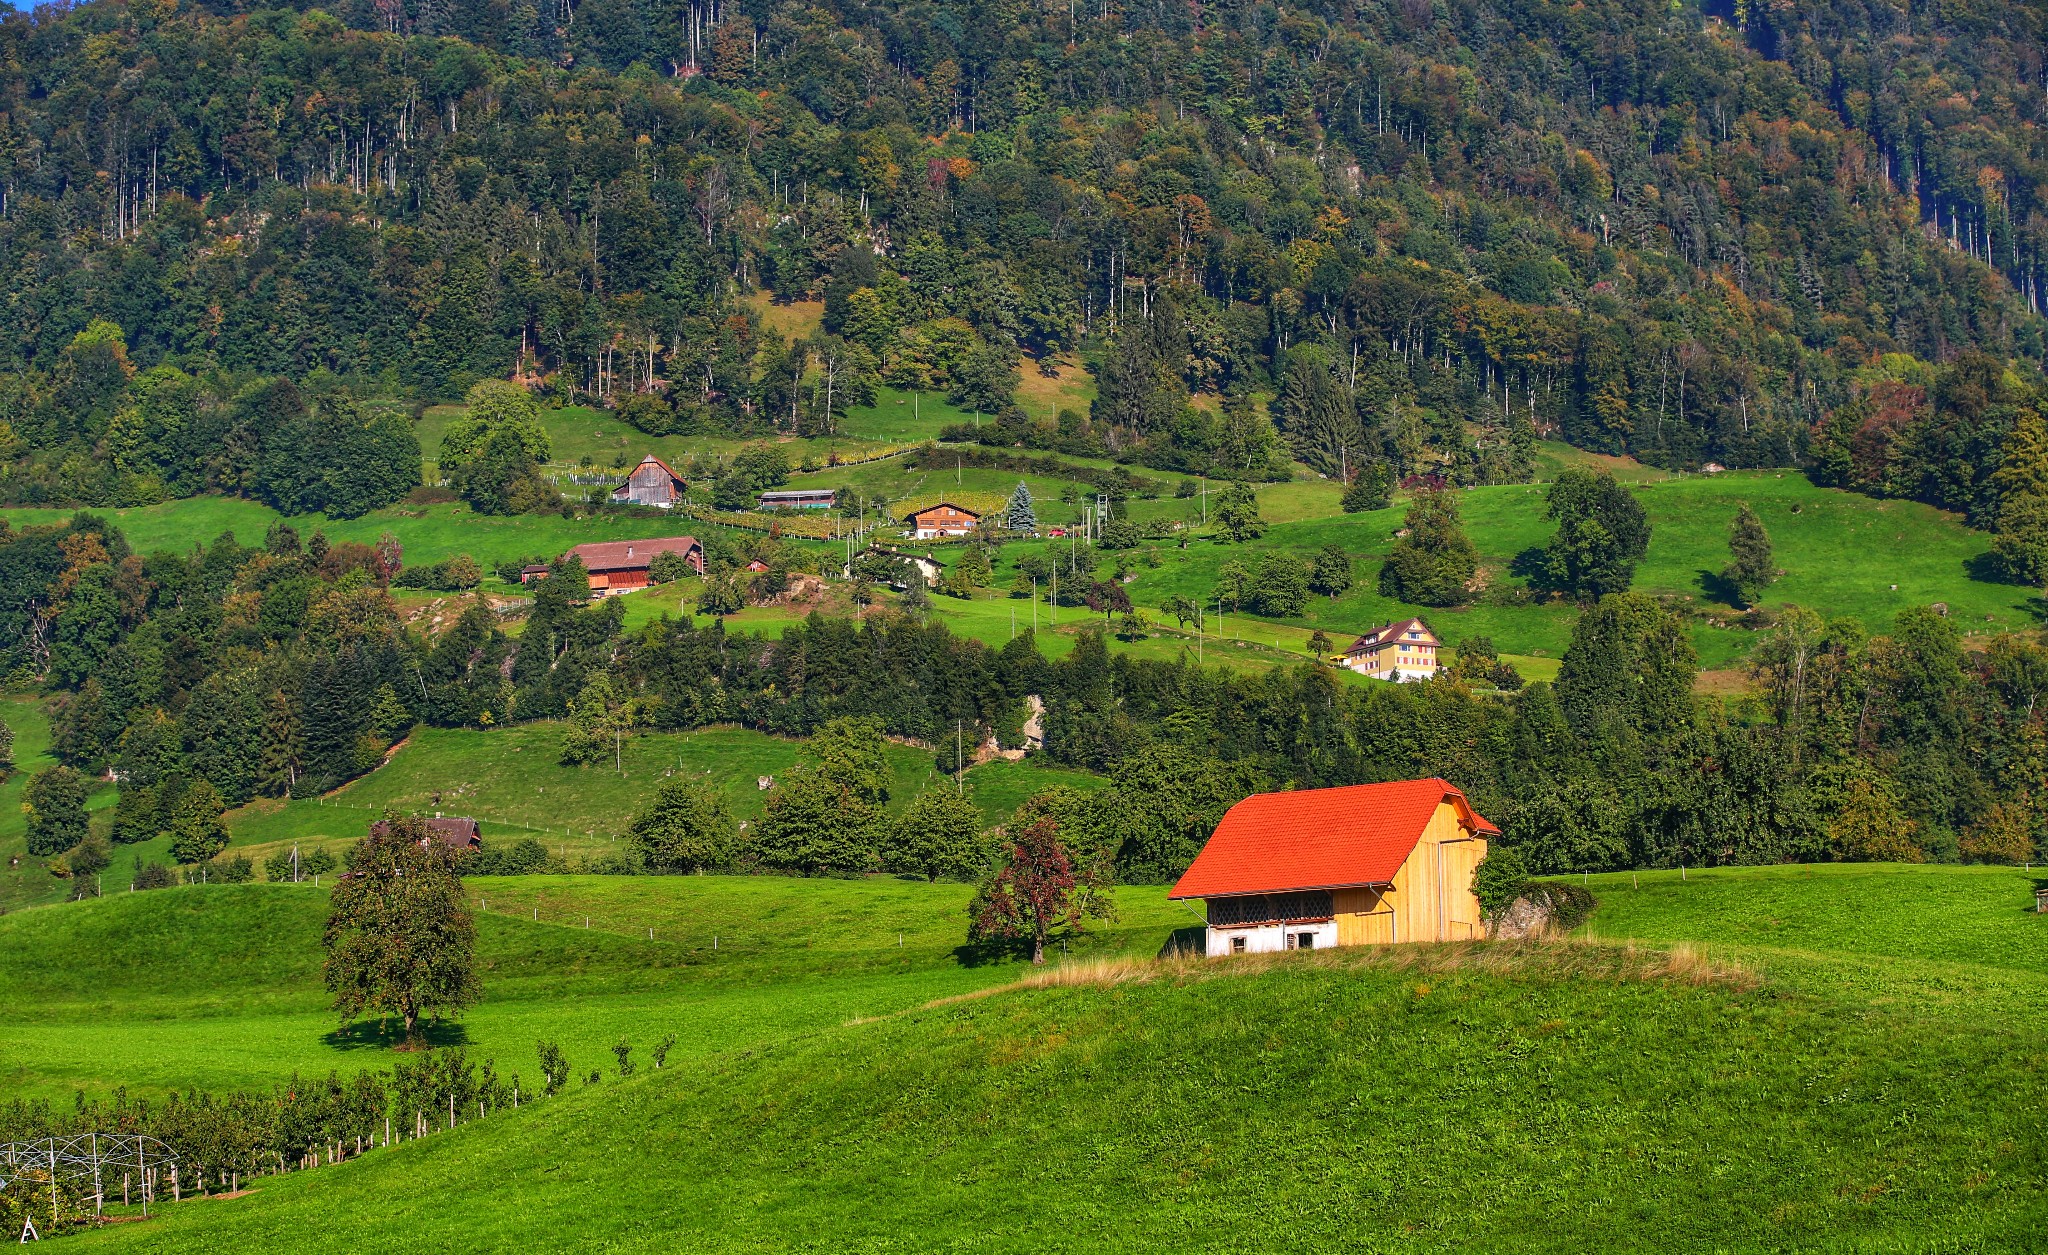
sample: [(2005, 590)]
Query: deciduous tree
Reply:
[(55, 805), (1037, 891), (399, 938), (687, 827), (939, 834)]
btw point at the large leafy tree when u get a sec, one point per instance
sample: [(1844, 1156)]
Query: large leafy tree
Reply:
[(938, 834), (490, 407), (55, 805), (1434, 563), (198, 831), (399, 937), (1602, 533), (1236, 511), (825, 816), (686, 827)]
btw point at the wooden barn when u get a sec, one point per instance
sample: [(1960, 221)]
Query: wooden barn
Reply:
[(620, 566), (942, 519), (651, 483), (1367, 864), (800, 499), (457, 832)]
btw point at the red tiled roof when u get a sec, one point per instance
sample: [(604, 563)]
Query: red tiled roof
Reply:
[(629, 555), (1319, 838)]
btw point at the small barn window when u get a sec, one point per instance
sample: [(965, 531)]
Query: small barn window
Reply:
[(1237, 945), (1305, 941)]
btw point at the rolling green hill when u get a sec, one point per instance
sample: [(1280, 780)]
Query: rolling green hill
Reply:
[(1792, 1058), (220, 985)]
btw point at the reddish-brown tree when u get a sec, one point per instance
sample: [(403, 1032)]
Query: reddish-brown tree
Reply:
[(1038, 888)]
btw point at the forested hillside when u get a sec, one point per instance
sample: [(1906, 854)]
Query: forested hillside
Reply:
[(1408, 232)]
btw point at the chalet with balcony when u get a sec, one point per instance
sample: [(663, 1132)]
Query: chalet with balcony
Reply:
[(943, 519), (1395, 651)]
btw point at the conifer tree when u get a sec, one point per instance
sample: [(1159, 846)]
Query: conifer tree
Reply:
[(1371, 488), (1752, 571), (283, 753), (1020, 515)]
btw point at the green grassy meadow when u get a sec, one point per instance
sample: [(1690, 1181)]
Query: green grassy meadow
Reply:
[(1772, 1059), (1842, 554), (511, 781)]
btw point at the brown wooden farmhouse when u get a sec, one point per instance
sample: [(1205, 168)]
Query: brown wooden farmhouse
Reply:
[(457, 832), (943, 519), (620, 566)]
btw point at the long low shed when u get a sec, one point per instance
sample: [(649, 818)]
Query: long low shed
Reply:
[(1367, 864)]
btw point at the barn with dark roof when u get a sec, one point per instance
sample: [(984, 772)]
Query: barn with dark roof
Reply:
[(1366, 864)]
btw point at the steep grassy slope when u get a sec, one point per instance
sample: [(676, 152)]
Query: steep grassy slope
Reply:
[(1842, 555), (512, 778), (1865, 1078)]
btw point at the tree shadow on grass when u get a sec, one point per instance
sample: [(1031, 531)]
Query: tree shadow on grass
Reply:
[(1191, 942), (390, 1035), (1529, 565), (1985, 568), (984, 953), (1718, 588)]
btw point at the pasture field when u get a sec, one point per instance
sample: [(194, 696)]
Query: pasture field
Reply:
[(511, 781), (1843, 555), (219, 986), (1813, 1059), (27, 880)]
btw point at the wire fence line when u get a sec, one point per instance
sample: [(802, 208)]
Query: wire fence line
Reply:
[(748, 942), (563, 831)]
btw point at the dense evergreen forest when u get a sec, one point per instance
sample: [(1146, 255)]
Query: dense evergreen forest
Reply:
[(1422, 231)]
